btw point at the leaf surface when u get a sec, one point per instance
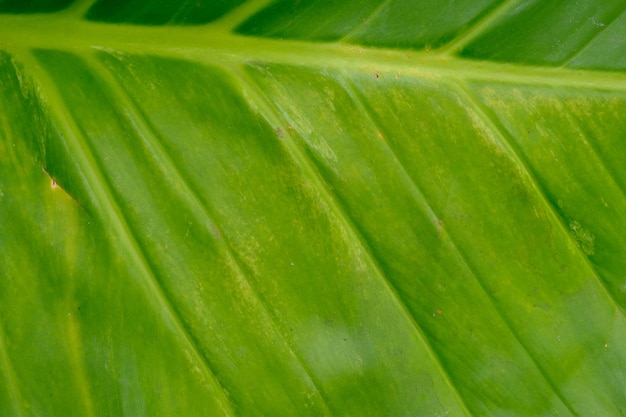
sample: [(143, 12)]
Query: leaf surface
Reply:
[(369, 208)]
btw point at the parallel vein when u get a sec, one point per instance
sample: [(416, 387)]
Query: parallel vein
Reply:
[(581, 49), (421, 200), (232, 20), (504, 137), (311, 172), (79, 8), (367, 20), (478, 28), (596, 156), (147, 133), (110, 211)]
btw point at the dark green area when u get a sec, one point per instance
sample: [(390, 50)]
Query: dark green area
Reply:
[(415, 25), (159, 12), (420, 25), (300, 19), (33, 6), (548, 33)]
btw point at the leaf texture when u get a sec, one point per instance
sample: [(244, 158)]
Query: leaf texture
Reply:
[(302, 208)]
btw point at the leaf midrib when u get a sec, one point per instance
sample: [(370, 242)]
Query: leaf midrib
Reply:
[(215, 44)]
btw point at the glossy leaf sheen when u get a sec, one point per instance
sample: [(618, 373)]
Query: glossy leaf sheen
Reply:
[(302, 208)]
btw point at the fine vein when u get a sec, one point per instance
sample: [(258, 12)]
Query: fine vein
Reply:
[(9, 375)]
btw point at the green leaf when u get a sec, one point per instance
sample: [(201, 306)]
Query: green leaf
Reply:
[(357, 208)]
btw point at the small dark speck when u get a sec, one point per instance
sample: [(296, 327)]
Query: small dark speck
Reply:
[(279, 133), (377, 75)]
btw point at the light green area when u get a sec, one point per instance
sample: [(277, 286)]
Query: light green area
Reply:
[(196, 222)]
